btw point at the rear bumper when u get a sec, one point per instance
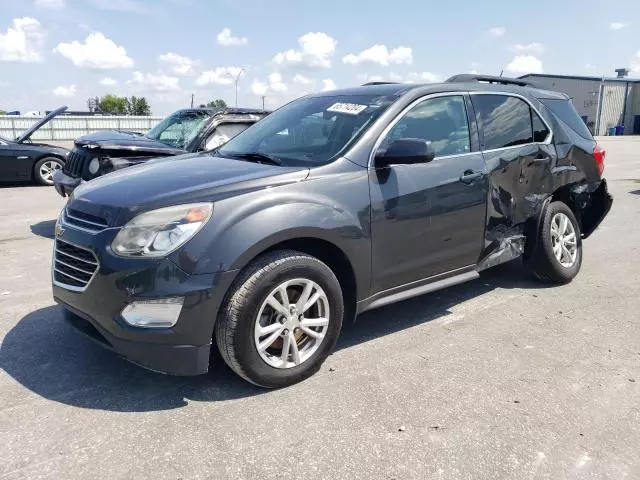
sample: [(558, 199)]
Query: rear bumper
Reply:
[(64, 184), (594, 207)]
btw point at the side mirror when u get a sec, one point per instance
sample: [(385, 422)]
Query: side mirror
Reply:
[(406, 151)]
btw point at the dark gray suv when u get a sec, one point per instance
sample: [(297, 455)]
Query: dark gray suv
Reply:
[(336, 203)]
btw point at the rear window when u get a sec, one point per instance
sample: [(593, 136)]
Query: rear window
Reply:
[(566, 112)]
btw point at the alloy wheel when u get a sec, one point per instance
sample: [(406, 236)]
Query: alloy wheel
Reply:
[(292, 323), (564, 240)]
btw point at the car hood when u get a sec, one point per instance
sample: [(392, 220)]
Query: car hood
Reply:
[(119, 196), (122, 140), (36, 126)]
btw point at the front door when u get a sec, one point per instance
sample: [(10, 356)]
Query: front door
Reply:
[(428, 218)]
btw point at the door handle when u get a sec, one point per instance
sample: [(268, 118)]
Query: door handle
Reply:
[(469, 176)]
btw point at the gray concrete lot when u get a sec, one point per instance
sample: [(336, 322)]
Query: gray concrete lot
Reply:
[(497, 378)]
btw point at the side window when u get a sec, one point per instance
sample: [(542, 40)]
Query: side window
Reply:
[(441, 121), (540, 130), (504, 121)]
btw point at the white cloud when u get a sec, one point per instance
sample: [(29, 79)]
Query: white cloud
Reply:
[(53, 4), (388, 77), (301, 80), (22, 42), (618, 25), (4, 83), (589, 66), (635, 62), (316, 50), (226, 39), (219, 76), (108, 82), (157, 83), (525, 64), (381, 55), (328, 84), (179, 65), (259, 88), (533, 48), (497, 31), (426, 77), (97, 51), (65, 92), (274, 84)]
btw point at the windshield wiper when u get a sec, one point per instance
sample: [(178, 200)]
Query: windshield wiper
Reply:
[(252, 157)]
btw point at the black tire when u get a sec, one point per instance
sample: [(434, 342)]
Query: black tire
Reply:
[(37, 173), (541, 260), (234, 330)]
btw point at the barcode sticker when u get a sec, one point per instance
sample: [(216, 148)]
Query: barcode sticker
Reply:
[(348, 108)]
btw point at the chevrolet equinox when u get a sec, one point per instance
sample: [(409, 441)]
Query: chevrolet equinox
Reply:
[(337, 203)]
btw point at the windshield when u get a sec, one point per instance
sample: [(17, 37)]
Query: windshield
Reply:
[(310, 131), (179, 130)]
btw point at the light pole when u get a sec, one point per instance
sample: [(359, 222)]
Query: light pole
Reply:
[(236, 79), (263, 97)]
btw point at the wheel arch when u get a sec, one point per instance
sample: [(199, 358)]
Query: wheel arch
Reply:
[(327, 252)]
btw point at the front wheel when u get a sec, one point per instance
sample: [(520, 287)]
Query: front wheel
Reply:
[(557, 255), (44, 169), (281, 319)]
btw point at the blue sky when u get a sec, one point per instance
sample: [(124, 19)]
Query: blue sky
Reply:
[(56, 52)]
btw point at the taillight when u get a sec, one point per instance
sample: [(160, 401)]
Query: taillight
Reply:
[(598, 155)]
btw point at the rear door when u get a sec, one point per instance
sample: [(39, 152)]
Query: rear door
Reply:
[(516, 146), (428, 218)]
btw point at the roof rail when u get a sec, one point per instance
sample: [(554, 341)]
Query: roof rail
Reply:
[(467, 78), (379, 83)]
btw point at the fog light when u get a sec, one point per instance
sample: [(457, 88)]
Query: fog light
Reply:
[(158, 313)]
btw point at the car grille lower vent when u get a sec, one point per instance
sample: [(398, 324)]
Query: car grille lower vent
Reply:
[(73, 267), (77, 163)]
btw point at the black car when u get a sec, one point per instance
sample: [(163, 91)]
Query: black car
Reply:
[(23, 160), (188, 130), (337, 203)]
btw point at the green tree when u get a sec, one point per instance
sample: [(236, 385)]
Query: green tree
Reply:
[(217, 103), (113, 104), (138, 106)]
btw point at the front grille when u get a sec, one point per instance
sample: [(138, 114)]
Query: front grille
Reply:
[(73, 266), (84, 220), (77, 163)]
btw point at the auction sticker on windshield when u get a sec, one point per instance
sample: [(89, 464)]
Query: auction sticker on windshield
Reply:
[(348, 108)]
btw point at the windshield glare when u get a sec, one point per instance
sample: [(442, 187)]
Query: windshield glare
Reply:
[(179, 130), (310, 131)]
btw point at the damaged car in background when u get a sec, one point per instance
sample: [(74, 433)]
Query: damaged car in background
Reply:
[(24, 160), (335, 204), (188, 130)]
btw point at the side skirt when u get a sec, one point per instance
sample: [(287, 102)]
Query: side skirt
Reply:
[(420, 287)]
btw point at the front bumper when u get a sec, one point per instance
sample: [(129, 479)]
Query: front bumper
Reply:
[(180, 350), (64, 184)]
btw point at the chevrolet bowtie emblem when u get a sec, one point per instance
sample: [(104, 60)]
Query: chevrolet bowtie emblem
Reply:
[(59, 230)]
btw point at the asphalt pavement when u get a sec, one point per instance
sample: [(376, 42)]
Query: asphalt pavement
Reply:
[(499, 378)]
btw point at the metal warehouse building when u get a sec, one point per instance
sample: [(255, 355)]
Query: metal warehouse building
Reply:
[(603, 103)]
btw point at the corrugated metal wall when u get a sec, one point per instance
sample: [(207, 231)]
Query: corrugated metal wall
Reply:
[(612, 106), (70, 127)]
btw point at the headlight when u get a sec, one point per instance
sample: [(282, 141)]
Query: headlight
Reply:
[(94, 165), (159, 232)]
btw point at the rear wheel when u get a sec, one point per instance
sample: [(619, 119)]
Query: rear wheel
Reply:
[(281, 319), (557, 254), (44, 169)]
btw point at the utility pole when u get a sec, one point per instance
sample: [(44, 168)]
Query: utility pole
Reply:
[(263, 97), (236, 79), (192, 100)]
